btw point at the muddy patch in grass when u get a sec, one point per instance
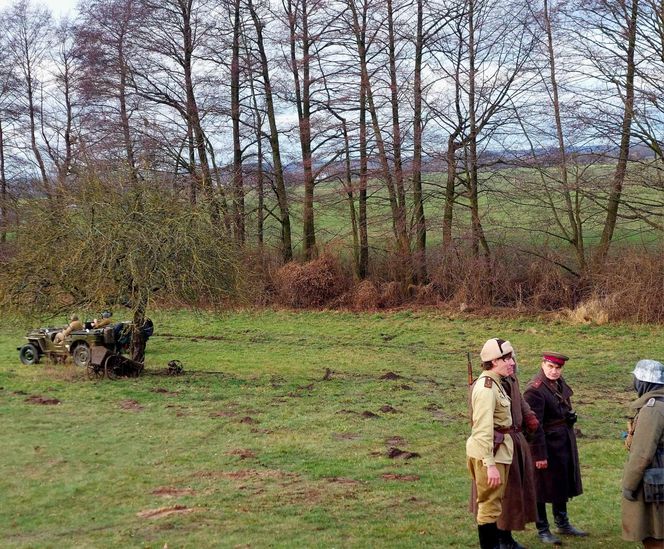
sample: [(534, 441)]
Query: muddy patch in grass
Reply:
[(38, 399), (397, 453), (131, 405), (391, 376), (172, 492), (163, 391), (403, 478), (248, 420), (387, 409), (165, 512), (242, 453), (369, 415)]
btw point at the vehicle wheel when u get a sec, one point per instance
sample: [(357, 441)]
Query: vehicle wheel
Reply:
[(113, 367), (29, 354), (81, 355), (95, 371)]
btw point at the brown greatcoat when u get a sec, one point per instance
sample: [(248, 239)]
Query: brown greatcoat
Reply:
[(519, 503), (554, 440), (642, 520)]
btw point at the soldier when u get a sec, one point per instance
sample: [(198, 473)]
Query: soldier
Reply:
[(489, 452), (105, 320), (553, 447), (519, 502), (74, 324), (643, 499)]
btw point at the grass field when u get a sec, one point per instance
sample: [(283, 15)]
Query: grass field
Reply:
[(257, 444)]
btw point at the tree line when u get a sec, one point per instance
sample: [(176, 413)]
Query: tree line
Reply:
[(244, 108)]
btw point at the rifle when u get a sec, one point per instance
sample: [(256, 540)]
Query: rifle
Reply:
[(470, 370)]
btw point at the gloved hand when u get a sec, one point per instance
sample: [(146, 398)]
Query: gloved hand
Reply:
[(628, 494), (532, 423)]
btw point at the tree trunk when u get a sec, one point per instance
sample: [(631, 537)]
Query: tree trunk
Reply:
[(238, 185), (3, 190), (575, 223), (303, 107), (420, 262), (625, 135), (280, 186)]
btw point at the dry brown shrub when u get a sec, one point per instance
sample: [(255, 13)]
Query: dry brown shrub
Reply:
[(592, 311), (632, 282), (312, 284), (425, 294), (366, 296), (391, 294)]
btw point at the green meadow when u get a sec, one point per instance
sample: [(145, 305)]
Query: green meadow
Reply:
[(311, 429)]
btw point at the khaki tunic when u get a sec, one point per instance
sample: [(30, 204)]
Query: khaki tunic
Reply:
[(491, 408), (642, 520), (519, 500)]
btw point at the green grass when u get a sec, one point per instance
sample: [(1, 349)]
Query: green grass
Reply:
[(512, 207), (259, 450)]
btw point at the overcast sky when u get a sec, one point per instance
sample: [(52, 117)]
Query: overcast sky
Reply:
[(58, 7)]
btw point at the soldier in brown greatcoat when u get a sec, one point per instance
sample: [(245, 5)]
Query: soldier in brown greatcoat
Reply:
[(643, 497), (553, 447), (74, 324), (519, 502)]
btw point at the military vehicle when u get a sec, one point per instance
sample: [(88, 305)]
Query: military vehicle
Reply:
[(41, 343)]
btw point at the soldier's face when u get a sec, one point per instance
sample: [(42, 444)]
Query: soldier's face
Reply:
[(552, 371), (504, 366)]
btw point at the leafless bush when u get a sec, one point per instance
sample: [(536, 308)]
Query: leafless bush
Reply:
[(366, 296), (312, 284)]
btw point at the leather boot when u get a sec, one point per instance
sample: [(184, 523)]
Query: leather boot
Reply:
[(488, 534), (564, 527), (506, 541), (545, 534)]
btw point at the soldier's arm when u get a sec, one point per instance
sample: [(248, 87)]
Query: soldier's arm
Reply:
[(644, 444), (536, 403), (484, 402)]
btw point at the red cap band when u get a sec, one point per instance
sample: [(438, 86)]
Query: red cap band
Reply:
[(554, 359)]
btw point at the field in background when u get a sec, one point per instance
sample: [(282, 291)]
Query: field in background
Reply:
[(313, 429), (511, 209)]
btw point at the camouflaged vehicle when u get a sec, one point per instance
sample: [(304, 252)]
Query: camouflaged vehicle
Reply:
[(41, 343)]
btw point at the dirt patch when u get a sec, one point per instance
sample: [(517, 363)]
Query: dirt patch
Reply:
[(387, 409), (131, 405), (19, 393), (163, 391), (406, 387), (346, 436), (249, 420), (396, 453), (38, 399), (369, 415), (254, 474), (165, 511), (342, 480), (328, 374), (223, 413), (390, 376), (395, 441), (403, 478), (242, 453), (172, 492)]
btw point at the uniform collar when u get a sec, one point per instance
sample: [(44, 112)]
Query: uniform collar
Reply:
[(641, 401)]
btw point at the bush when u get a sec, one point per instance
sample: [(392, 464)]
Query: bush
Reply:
[(312, 284)]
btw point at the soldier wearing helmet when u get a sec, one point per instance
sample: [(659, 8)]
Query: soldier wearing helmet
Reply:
[(643, 475)]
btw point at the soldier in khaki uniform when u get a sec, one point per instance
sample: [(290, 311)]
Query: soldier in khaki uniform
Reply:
[(643, 477), (489, 451), (74, 324), (105, 320)]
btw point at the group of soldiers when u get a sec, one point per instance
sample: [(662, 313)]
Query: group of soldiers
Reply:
[(522, 452)]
